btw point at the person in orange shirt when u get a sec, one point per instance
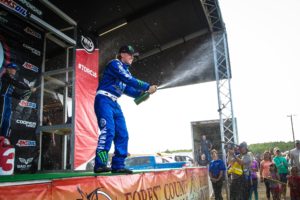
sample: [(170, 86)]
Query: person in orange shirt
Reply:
[(265, 171)]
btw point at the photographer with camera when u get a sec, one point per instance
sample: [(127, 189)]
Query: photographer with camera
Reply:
[(240, 171)]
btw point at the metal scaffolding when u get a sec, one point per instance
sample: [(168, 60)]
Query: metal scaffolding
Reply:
[(228, 130), (61, 77)]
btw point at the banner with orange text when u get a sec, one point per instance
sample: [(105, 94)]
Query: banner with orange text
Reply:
[(181, 184), (38, 191)]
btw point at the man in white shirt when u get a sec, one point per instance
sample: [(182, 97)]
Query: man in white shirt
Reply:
[(295, 156)]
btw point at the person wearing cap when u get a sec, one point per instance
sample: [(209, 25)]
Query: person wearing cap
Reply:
[(116, 80), (282, 167), (241, 184), (295, 156), (8, 83)]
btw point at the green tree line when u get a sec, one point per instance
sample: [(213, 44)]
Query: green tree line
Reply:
[(255, 148), (269, 146)]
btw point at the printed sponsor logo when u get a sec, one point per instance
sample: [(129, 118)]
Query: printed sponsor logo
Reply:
[(26, 123), (87, 44), (15, 7), (30, 84), (7, 161), (96, 194), (33, 50), (26, 143), (30, 66), (30, 31), (87, 70), (31, 7), (102, 122), (26, 163), (27, 104)]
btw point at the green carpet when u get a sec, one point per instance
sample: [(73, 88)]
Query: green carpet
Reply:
[(48, 176), (63, 174)]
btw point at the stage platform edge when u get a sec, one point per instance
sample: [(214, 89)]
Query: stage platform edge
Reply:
[(186, 183)]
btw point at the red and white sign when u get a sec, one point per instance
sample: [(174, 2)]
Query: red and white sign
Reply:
[(7, 160), (86, 128)]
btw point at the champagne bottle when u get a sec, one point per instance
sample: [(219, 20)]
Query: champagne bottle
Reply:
[(142, 98)]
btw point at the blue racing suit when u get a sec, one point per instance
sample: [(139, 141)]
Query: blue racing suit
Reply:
[(7, 91), (115, 81)]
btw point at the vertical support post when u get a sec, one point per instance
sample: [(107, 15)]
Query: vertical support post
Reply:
[(228, 128), (65, 112), (41, 114), (72, 139), (292, 125), (225, 108)]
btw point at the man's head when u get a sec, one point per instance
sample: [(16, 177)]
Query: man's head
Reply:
[(297, 142), (276, 151), (294, 171), (126, 54), (243, 147), (11, 68)]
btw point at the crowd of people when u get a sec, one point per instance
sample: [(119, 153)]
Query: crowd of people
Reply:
[(244, 170)]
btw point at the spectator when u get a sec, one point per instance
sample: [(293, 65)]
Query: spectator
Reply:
[(282, 167), (240, 182), (265, 172), (294, 184), (203, 161), (273, 179), (254, 181), (216, 174), (294, 156), (205, 147)]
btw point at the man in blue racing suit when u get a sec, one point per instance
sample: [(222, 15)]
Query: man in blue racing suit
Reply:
[(115, 81), (8, 84)]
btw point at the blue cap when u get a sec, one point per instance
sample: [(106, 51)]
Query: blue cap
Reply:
[(12, 65)]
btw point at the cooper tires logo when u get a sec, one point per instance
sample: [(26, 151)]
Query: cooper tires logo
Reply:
[(87, 44), (26, 123), (33, 50)]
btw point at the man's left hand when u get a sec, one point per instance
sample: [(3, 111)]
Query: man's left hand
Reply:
[(152, 89)]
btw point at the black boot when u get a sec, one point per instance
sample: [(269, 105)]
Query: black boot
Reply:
[(122, 171), (102, 169)]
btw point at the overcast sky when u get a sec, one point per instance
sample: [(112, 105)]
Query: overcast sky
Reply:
[(264, 42)]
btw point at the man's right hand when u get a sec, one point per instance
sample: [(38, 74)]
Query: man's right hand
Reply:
[(152, 89)]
